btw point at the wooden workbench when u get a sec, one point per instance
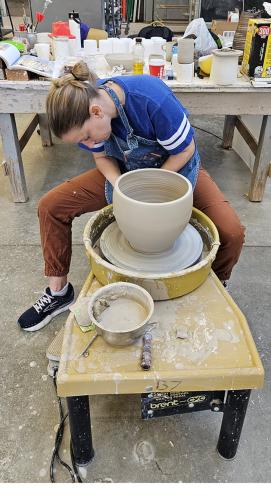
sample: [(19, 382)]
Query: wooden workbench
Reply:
[(216, 363), (200, 98)]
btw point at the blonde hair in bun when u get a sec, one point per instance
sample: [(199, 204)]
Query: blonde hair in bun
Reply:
[(68, 100)]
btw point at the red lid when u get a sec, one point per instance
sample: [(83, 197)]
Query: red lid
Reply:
[(61, 28), (22, 27)]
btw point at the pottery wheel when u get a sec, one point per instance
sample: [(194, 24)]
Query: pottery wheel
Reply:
[(185, 252)]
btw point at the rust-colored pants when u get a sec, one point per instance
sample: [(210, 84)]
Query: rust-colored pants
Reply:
[(85, 193)]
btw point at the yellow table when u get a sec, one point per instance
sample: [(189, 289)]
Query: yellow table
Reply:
[(214, 366)]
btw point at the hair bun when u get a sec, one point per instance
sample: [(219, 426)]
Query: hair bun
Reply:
[(81, 72), (63, 80)]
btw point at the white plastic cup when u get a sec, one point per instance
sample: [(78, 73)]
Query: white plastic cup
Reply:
[(157, 66), (184, 72), (43, 50), (44, 38), (90, 47), (106, 46)]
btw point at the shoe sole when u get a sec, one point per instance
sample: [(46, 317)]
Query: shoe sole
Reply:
[(47, 320)]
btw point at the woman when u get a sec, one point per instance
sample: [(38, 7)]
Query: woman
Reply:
[(127, 123)]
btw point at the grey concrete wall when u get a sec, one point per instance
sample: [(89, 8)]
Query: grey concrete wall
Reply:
[(91, 12)]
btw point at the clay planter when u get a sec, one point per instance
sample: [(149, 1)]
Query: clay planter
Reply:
[(152, 207)]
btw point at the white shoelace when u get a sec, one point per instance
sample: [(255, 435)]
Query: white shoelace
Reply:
[(42, 301)]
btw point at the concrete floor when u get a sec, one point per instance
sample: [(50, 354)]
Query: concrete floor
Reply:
[(170, 449)]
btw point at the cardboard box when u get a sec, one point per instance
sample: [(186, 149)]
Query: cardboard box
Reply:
[(17, 74), (257, 53), (219, 26)]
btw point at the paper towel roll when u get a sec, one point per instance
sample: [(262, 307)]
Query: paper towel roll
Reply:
[(184, 72)]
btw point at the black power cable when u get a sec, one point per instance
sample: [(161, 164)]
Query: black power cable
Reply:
[(74, 474), (207, 132)]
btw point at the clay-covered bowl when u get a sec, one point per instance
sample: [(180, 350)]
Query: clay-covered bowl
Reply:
[(152, 207), (103, 297)]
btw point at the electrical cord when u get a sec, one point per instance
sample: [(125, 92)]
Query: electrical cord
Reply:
[(207, 132), (74, 474)]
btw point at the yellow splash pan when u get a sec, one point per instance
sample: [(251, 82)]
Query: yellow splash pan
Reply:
[(163, 287)]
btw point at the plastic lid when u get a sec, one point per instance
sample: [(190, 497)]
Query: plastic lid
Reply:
[(227, 52), (61, 28), (138, 40), (74, 15)]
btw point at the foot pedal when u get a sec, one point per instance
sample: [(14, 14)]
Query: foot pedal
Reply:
[(53, 352)]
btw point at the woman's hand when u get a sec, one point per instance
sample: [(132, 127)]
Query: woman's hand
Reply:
[(109, 167)]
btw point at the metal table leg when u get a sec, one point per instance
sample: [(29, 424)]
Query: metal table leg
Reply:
[(232, 422), (80, 429)]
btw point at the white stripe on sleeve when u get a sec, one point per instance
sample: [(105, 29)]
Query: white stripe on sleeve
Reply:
[(181, 139), (98, 145), (174, 136)]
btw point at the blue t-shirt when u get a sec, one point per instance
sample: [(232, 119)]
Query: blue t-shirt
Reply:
[(153, 112)]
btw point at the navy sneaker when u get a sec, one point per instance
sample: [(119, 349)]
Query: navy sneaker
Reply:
[(45, 309)]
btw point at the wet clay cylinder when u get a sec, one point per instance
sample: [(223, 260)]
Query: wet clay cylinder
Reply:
[(152, 207)]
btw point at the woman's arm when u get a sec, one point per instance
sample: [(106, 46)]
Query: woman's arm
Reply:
[(109, 167), (176, 162)]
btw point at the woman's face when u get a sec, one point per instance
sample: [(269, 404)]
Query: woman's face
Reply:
[(96, 129)]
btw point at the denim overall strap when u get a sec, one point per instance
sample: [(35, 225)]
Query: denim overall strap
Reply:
[(131, 138)]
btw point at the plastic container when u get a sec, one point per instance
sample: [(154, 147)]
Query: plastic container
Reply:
[(224, 69), (184, 72), (157, 66), (43, 50), (138, 57), (61, 48), (74, 25)]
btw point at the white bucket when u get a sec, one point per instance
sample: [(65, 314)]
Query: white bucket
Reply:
[(225, 66)]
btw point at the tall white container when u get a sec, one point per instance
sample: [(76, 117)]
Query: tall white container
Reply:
[(74, 25), (225, 66), (158, 43), (61, 48)]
